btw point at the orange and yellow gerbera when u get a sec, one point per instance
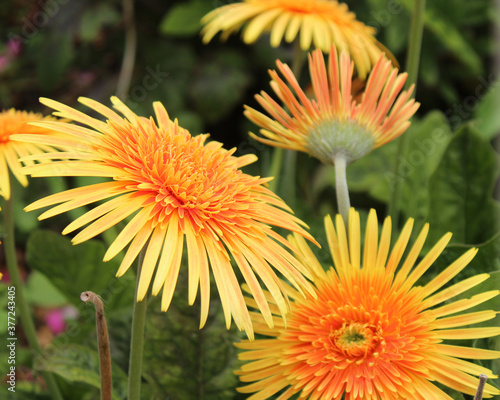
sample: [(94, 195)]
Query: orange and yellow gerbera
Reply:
[(321, 23), (333, 124), (178, 188), (14, 122), (372, 333)]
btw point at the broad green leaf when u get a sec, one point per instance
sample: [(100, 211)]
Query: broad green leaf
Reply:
[(492, 283), (461, 190), (183, 19), (487, 258), (41, 292), (487, 115), (75, 269), (81, 364)]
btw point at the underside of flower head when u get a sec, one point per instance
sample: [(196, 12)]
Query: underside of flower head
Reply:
[(333, 122)]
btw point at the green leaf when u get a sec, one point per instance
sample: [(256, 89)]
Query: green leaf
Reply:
[(461, 190), (487, 258), (94, 19), (81, 364), (41, 292), (75, 269), (184, 18), (492, 283), (487, 115)]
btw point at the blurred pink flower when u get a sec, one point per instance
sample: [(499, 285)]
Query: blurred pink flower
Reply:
[(55, 321), (13, 50)]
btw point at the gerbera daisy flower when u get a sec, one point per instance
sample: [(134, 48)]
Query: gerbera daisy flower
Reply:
[(178, 188), (13, 122), (371, 333), (321, 23), (333, 125)]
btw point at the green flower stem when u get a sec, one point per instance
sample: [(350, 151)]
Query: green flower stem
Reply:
[(22, 307), (102, 344), (275, 169), (290, 156), (412, 64), (288, 191), (137, 341), (341, 188), (130, 49)]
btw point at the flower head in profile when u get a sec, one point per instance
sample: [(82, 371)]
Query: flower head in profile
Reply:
[(178, 189), (14, 122), (371, 333), (321, 23), (334, 124)]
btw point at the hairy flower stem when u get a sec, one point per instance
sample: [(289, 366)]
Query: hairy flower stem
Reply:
[(480, 387), (343, 202), (128, 61), (290, 156), (102, 344), (412, 64), (22, 306), (137, 340)]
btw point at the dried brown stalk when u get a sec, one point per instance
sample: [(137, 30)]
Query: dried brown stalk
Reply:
[(102, 344)]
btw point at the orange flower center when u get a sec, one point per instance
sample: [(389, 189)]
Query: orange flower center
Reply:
[(356, 339), (350, 333), (185, 175)]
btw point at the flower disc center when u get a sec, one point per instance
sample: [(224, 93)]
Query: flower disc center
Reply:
[(355, 339)]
